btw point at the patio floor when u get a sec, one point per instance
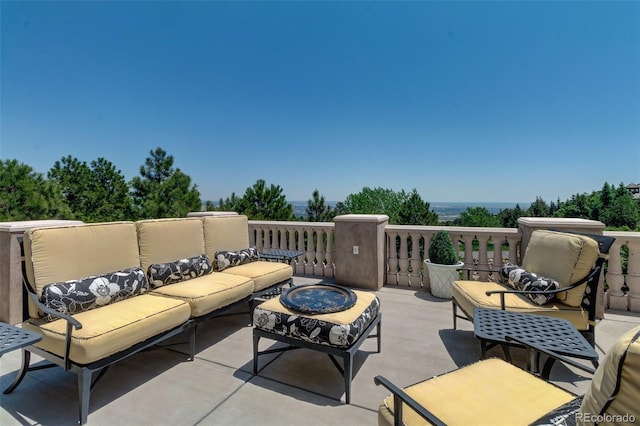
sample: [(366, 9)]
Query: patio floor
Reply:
[(301, 387)]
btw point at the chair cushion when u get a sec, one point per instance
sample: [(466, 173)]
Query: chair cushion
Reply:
[(210, 292), (337, 329), (620, 368), (564, 257), (74, 296), (470, 294), (491, 392), (112, 328), (264, 274), (227, 258), (180, 270)]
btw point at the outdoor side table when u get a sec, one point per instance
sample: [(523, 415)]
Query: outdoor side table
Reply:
[(12, 338), (554, 334), (279, 255)]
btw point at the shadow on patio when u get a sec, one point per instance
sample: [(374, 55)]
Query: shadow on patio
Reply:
[(160, 387)]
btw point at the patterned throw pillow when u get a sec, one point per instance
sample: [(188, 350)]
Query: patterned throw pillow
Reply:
[(521, 279), (226, 259), (180, 270), (74, 296)]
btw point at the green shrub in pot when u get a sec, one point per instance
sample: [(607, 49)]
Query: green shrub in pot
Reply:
[(441, 249)]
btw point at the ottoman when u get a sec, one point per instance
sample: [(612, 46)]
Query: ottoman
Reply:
[(338, 334)]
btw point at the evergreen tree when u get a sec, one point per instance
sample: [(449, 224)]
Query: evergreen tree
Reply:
[(27, 195), (621, 211), (478, 217), (538, 208), (375, 201), (265, 203), (229, 204), (317, 210), (162, 191), (414, 211), (94, 194), (509, 217)]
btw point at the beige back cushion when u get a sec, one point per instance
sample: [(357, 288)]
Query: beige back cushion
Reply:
[(225, 233), (620, 367), (168, 240), (75, 252), (567, 258)]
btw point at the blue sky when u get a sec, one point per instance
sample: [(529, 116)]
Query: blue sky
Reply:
[(464, 101)]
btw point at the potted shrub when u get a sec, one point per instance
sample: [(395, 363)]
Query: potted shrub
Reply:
[(443, 265)]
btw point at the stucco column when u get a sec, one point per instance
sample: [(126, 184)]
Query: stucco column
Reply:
[(529, 224), (11, 265), (359, 250)]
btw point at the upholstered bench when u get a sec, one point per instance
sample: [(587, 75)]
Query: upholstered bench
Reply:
[(338, 333)]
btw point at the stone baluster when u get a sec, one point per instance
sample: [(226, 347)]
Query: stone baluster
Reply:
[(319, 265), (329, 267), (469, 264), (415, 261), (403, 261), (300, 246), (427, 236), (513, 249), (310, 253), (483, 260), (615, 278), (392, 272), (633, 275)]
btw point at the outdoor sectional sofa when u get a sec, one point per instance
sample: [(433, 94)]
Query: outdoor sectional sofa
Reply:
[(99, 293)]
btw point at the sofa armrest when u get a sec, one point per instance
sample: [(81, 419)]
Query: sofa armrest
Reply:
[(72, 324), (399, 397)]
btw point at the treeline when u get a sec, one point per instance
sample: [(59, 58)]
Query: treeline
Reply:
[(98, 191)]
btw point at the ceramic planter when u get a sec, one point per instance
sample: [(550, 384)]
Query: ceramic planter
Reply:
[(442, 277)]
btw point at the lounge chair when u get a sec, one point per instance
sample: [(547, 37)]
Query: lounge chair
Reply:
[(494, 392), (569, 261)]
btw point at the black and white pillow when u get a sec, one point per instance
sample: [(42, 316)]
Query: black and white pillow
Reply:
[(521, 279), (180, 270), (74, 296), (226, 259)]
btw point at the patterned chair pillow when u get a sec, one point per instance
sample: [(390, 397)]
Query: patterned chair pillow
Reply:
[(180, 270), (75, 296), (226, 259), (521, 279)]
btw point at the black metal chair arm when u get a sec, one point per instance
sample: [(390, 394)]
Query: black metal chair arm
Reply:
[(72, 321), (399, 397)]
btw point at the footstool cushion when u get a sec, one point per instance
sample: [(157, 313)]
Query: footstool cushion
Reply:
[(337, 329)]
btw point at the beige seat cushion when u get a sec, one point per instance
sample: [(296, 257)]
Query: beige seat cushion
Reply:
[(112, 328), (490, 392), (210, 292), (565, 257), (620, 367), (264, 274), (230, 233), (470, 294)]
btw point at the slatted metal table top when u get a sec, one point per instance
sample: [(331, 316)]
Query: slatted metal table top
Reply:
[(554, 334), (12, 338), (281, 255)]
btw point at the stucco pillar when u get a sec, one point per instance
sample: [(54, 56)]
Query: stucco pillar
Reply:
[(11, 265), (586, 226), (359, 250)]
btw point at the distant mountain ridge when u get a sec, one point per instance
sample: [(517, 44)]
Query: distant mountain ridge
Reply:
[(444, 210)]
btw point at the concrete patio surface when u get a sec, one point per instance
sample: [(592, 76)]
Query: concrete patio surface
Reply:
[(160, 387)]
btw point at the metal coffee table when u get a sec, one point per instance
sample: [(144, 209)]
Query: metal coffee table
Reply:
[(12, 338), (553, 334)]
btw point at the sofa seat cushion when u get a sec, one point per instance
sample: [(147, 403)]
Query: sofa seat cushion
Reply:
[(470, 294), (112, 328), (264, 274), (210, 292), (510, 396), (337, 329)]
